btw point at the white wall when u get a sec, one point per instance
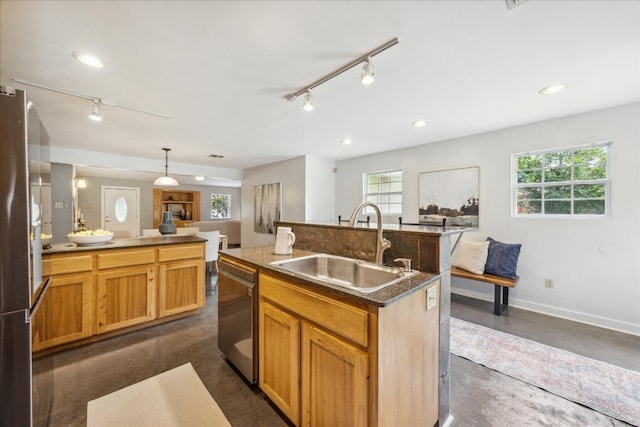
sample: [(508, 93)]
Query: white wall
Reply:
[(319, 190), (593, 262), (307, 193)]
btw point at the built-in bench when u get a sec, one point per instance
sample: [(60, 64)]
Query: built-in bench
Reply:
[(499, 282)]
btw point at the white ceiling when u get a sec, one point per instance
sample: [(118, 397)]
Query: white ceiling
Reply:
[(221, 70)]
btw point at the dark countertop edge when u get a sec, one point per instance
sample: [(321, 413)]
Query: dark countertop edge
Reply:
[(435, 230), (380, 298), (130, 242)]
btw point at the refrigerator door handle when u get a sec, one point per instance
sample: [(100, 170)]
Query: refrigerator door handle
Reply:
[(38, 302)]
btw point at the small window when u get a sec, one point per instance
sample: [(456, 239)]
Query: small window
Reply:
[(385, 190), (569, 182), (220, 206)]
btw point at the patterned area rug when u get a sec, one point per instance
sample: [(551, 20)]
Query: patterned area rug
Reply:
[(175, 398), (603, 387)]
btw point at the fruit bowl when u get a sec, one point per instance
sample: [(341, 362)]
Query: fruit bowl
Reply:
[(86, 238)]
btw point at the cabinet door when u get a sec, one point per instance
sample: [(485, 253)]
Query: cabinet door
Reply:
[(334, 381), (125, 297), (181, 287), (65, 313), (280, 359)]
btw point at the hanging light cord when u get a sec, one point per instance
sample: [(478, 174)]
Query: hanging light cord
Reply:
[(293, 95), (166, 161)]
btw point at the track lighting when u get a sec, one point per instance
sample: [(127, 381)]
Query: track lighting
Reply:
[(166, 180), (308, 102), (96, 112), (367, 76)]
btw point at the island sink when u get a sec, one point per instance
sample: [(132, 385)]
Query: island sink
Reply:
[(349, 273)]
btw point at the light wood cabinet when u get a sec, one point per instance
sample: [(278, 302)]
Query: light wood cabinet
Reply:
[(175, 201), (328, 361), (125, 297), (96, 293), (280, 359), (65, 313)]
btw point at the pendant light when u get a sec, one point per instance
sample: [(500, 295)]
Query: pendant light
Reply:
[(166, 179)]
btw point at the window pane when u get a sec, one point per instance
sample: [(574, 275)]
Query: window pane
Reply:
[(220, 206), (529, 193), (395, 187), (372, 188), (372, 179), (373, 198), (558, 192), (121, 209), (395, 208), (557, 207), (384, 188), (589, 207), (395, 198), (384, 208), (585, 191), (529, 176), (560, 158), (529, 162), (557, 174), (530, 207), (396, 176), (383, 198)]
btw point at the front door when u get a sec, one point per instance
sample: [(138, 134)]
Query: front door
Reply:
[(120, 210)]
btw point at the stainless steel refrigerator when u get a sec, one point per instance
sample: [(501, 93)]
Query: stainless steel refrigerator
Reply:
[(23, 144)]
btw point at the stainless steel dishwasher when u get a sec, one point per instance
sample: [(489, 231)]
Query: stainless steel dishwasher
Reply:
[(238, 318)]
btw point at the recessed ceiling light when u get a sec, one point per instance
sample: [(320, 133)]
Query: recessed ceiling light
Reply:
[(199, 178), (551, 89), (346, 141), (420, 123), (87, 59)]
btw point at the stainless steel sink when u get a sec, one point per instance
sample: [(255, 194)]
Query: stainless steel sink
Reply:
[(346, 272)]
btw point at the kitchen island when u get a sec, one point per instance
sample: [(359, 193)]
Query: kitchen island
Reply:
[(117, 287), (330, 355)]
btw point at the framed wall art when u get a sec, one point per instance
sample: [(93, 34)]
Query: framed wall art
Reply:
[(267, 207), (450, 194)]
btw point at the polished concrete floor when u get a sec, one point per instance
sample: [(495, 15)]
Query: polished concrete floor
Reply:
[(479, 397)]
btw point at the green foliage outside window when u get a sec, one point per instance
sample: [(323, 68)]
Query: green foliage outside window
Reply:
[(565, 182), (220, 206)]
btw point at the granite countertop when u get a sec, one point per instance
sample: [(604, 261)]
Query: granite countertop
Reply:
[(260, 257), (132, 242), (437, 230)]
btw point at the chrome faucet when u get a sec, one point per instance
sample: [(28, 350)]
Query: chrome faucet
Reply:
[(382, 243)]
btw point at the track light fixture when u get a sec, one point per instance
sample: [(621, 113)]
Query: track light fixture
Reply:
[(166, 179), (366, 77), (308, 102), (95, 99), (96, 111)]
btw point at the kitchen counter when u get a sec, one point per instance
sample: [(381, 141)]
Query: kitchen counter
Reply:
[(133, 242), (261, 256)]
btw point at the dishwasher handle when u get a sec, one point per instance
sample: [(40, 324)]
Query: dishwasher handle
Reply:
[(239, 280)]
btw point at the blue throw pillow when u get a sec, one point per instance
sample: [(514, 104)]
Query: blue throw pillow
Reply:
[(502, 258)]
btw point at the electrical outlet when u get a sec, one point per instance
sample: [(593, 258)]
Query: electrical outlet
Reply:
[(548, 283)]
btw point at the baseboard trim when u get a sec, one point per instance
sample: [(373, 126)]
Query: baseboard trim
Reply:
[(602, 322)]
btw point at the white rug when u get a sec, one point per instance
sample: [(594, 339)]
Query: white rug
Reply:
[(175, 398)]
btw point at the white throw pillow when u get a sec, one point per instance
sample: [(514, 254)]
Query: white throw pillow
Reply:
[(470, 256)]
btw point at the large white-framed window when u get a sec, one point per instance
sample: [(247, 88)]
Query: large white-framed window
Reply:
[(220, 206), (567, 182), (385, 190)]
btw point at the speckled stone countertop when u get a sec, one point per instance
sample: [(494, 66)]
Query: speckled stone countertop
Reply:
[(133, 242), (260, 257)]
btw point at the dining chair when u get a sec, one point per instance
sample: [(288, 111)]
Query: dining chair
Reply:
[(211, 252)]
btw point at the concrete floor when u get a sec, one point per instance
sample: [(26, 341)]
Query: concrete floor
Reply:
[(479, 397)]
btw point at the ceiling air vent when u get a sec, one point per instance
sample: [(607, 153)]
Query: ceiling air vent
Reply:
[(513, 3)]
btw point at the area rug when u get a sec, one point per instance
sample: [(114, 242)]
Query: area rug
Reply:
[(175, 398), (606, 388)]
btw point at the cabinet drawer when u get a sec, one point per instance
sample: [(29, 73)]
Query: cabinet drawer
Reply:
[(343, 319), (125, 258), (66, 264), (176, 252)]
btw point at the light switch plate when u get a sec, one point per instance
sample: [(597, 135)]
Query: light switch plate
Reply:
[(432, 297)]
